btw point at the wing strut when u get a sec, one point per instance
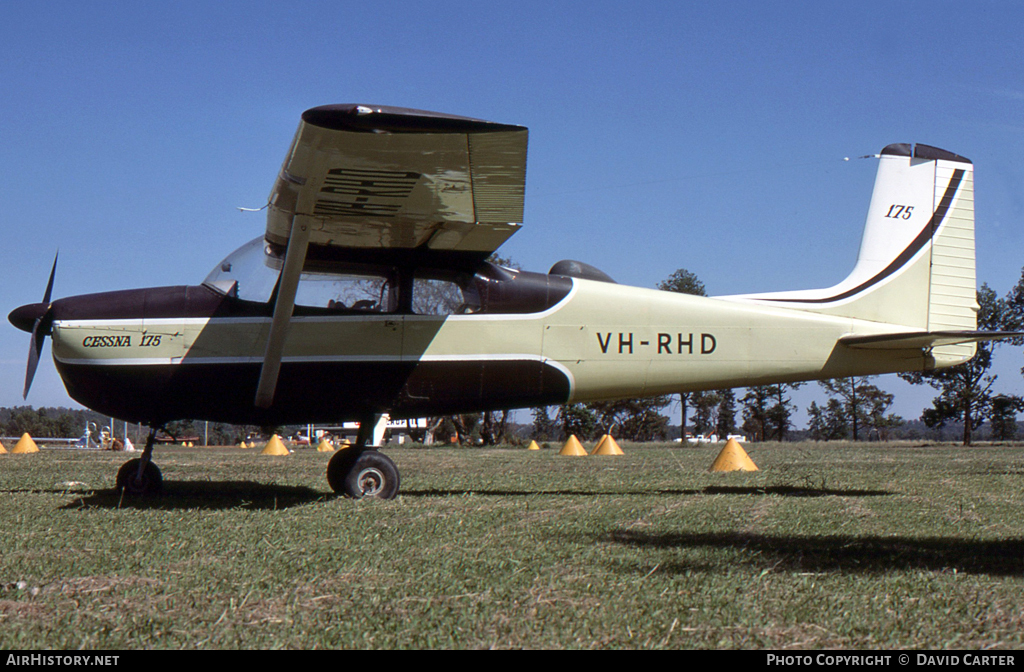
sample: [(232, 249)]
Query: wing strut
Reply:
[(294, 259)]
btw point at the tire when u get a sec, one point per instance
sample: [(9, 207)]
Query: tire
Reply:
[(339, 466), (151, 484), (363, 475)]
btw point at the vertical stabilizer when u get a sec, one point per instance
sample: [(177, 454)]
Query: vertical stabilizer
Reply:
[(915, 268)]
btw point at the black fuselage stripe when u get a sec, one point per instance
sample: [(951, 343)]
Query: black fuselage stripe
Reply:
[(915, 246)]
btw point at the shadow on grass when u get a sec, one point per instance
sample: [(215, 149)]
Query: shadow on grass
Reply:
[(778, 490), (868, 554), (209, 495), (216, 495), (792, 491)]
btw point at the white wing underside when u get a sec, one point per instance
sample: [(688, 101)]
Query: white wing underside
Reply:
[(375, 177)]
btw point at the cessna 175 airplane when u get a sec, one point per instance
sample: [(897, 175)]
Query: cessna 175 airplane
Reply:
[(371, 293)]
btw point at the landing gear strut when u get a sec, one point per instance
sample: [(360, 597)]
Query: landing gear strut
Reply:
[(140, 477), (360, 471)]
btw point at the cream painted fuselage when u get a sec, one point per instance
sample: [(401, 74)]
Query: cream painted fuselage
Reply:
[(154, 355)]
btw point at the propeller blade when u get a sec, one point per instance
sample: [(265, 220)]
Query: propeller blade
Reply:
[(39, 331), (49, 285), (35, 348)]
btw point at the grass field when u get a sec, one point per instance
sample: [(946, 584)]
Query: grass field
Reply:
[(829, 545)]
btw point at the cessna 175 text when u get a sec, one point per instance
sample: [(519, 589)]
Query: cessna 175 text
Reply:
[(371, 293)]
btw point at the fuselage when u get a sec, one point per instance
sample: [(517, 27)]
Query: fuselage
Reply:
[(158, 354)]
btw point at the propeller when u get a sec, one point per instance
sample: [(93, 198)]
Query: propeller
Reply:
[(40, 317)]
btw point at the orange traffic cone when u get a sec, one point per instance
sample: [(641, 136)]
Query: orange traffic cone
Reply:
[(733, 458), (274, 447), (573, 447), (26, 445), (607, 446)]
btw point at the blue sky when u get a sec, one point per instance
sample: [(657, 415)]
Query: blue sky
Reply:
[(706, 136)]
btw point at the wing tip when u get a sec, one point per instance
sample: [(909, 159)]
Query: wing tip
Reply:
[(359, 118)]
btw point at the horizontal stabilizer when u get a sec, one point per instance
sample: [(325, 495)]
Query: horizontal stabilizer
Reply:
[(925, 339)]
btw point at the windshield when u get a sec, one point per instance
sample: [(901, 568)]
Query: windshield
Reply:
[(250, 272)]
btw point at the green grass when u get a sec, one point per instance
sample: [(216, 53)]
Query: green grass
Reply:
[(829, 545)]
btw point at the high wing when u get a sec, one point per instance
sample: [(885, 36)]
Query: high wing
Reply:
[(371, 177)]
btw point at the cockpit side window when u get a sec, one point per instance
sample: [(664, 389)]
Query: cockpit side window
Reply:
[(434, 294), (363, 292)]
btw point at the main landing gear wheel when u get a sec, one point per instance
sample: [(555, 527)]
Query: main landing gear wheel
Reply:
[(363, 474), (128, 482)]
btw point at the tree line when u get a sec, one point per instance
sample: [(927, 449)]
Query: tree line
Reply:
[(46, 422), (68, 423)]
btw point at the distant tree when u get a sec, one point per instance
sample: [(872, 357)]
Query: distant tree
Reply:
[(179, 430), (507, 262), (683, 281), (186, 429), (878, 422), (768, 411), (223, 434), (437, 425), (816, 422), (463, 426), (857, 400), (1003, 416), (45, 422), (705, 405), (965, 393), (494, 428), (755, 411), (578, 420), (836, 425), (1012, 310), (633, 419), (238, 433), (938, 415), (726, 420), (780, 413), (965, 390), (544, 427), (646, 425), (827, 423), (1012, 319)]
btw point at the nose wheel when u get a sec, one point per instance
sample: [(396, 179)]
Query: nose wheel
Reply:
[(140, 477), (129, 481), (363, 473)]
